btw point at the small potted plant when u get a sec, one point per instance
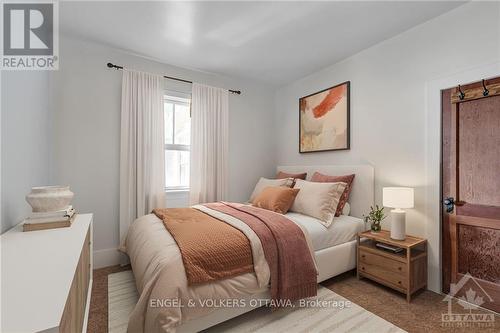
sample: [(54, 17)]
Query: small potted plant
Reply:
[(375, 217)]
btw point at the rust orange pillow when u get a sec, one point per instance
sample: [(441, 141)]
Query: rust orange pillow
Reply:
[(348, 179), (277, 199)]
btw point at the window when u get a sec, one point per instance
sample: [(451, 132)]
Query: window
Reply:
[(177, 142)]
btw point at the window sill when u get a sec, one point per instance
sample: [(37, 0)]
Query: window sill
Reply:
[(177, 191)]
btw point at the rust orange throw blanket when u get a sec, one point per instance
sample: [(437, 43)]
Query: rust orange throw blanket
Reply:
[(211, 249), (293, 273)]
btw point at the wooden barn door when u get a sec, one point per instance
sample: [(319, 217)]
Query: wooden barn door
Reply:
[(471, 188)]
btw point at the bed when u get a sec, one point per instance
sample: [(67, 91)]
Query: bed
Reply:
[(334, 253)]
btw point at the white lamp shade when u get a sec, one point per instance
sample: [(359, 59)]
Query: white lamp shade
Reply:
[(398, 197)]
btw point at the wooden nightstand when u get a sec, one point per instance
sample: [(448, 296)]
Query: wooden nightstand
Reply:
[(405, 271)]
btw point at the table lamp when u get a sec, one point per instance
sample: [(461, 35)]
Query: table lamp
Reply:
[(398, 198)]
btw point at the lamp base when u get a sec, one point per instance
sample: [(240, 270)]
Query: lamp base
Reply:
[(398, 224)]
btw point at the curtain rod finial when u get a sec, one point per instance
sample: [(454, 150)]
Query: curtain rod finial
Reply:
[(110, 65)]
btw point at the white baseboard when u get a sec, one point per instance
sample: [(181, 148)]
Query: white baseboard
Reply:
[(107, 257)]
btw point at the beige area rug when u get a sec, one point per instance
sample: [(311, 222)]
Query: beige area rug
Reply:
[(122, 297)]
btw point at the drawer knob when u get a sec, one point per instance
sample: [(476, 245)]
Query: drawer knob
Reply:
[(363, 268), (399, 282), (362, 256), (400, 268)]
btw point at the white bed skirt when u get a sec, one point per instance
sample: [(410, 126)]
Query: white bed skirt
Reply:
[(331, 262)]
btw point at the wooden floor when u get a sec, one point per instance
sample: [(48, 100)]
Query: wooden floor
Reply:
[(423, 314)]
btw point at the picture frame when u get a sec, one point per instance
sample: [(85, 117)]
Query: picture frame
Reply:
[(324, 119)]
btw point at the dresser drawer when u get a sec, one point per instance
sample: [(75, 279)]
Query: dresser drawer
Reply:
[(384, 269), (56, 270)]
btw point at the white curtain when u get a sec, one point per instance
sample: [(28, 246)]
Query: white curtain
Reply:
[(142, 151), (209, 144)]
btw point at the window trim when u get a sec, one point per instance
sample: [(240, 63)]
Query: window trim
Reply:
[(171, 189), (177, 189), (184, 101), (170, 146)]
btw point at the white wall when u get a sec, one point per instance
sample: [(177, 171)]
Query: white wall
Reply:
[(25, 140), (87, 130), (79, 144), (388, 105)]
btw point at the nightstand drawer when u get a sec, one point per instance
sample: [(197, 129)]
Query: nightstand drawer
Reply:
[(384, 275), (384, 263)]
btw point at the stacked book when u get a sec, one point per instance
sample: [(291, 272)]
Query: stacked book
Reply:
[(388, 247), (49, 220)]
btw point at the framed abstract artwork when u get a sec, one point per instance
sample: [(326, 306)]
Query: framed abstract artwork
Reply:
[(324, 120)]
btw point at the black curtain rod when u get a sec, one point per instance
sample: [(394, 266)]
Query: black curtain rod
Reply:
[(110, 65)]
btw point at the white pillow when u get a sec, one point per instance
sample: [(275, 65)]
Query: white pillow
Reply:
[(319, 200), (347, 209), (264, 182)]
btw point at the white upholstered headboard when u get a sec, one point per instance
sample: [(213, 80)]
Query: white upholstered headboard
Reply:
[(363, 189)]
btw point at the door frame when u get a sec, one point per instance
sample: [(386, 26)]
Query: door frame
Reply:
[(432, 135)]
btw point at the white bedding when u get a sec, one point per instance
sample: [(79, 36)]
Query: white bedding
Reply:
[(343, 229), (159, 272)]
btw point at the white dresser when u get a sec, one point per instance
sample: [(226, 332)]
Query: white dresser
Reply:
[(46, 278)]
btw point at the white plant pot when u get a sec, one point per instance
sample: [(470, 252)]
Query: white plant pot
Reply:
[(49, 198)]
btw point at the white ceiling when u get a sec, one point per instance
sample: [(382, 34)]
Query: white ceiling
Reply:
[(273, 42)]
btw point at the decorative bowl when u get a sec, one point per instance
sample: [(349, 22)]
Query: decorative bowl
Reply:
[(49, 198)]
